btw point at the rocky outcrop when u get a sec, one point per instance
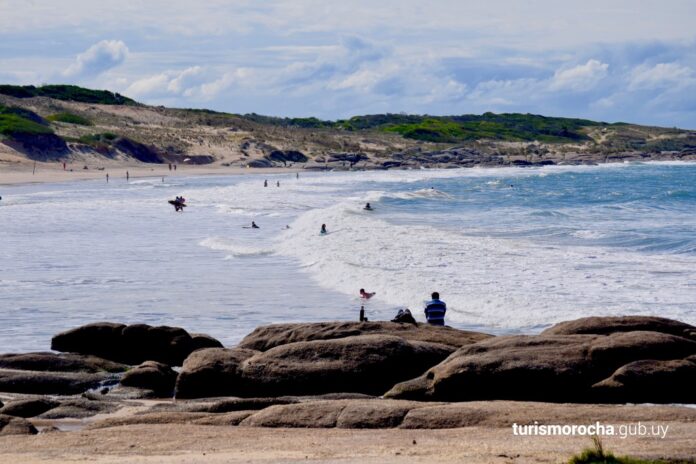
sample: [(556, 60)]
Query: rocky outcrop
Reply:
[(39, 147), (269, 336), (10, 425), (364, 364), (51, 383), (609, 325), (285, 156), (131, 344), (151, 375), (28, 408), (561, 367), (64, 362)]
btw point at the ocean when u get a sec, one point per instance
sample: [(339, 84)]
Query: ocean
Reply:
[(511, 250)]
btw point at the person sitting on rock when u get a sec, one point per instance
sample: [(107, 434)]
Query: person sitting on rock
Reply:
[(404, 315), (435, 310)]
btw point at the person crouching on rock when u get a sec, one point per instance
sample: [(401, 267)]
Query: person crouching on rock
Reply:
[(435, 310)]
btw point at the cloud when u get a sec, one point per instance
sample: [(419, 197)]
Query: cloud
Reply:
[(98, 58), (579, 78), (660, 75)]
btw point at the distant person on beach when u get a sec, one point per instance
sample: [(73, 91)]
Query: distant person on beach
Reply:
[(265, 183), (107, 178), (323, 229), (368, 207), (127, 175), (297, 175), (366, 295), (435, 310)]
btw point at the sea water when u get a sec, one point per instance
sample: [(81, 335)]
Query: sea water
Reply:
[(511, 250)]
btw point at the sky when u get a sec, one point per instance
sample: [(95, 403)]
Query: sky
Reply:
[(632, 61)]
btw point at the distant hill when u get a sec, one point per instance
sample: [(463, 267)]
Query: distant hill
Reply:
[(58, 122), (66, 93)]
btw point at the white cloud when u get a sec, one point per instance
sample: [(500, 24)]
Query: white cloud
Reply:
[(660, 75), (579, 78), (98, 58)]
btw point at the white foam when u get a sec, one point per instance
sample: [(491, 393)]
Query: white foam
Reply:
[(235, 249)]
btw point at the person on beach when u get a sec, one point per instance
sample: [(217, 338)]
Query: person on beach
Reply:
[(366, 295), (323, 230), (265, 183), (127, 175), (435, 310), (107, 178), (368, 207)]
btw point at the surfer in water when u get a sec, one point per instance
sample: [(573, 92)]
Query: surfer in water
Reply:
[(254, 226), (368, 207), (179, 203), (366, 295), (323, 230)]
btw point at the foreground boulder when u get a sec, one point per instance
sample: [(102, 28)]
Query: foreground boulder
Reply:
[(28, 408), (151, 375), (609, 325), (10, 425), (368, 364), (561, 368), (132, 344), (51, 383), (63, 362), (269, 336)]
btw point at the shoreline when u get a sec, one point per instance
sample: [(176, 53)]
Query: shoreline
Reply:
[(50, 173)]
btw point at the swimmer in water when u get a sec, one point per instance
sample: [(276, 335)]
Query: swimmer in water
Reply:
[(254, 226), (366, 295), (368, 207), (323, 229)]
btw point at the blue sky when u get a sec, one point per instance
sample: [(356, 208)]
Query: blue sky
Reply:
[(631, 61)]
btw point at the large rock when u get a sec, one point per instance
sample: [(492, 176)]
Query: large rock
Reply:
[(10, 425), (63, 362), (368, 364), (80, 408), (51, 383), (28, 408), (559, 368), (269, 336), (151, 375), (609, 325), (130, 344)]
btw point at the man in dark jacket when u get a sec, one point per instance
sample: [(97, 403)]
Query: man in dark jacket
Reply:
[(435, 310)]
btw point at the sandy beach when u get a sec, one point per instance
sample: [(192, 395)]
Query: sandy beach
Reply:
[(188, 443)]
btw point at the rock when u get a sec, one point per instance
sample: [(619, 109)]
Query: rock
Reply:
[(129, 344), (649, 380), (269, 336), (28, 408), (233, 418), (10, 425), (51, 383), (293, 156), (608, 325), (201, 341), (319, 414), (149, 418), (64, 362), (374, 414), (151, 375), (246, 404), (209, 372), (80, 408), (557, 368), (368, 364)]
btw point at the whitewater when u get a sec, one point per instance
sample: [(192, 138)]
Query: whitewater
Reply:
[(511, 250)]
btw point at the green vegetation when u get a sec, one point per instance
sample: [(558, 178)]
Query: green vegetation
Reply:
[(70, 119), (97, 140), (453, 129), (597, 455), (20, 121), (67, 93)]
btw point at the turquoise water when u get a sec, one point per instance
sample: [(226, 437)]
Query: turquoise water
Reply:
[(511, 250)]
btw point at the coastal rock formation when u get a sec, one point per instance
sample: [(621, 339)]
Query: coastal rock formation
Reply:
[(28, 408), (51, 383), (563, 368), (269, 336), (364, 364), (131, 344), (64, 362), (609, 325), (10, 425), (151, 375)]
